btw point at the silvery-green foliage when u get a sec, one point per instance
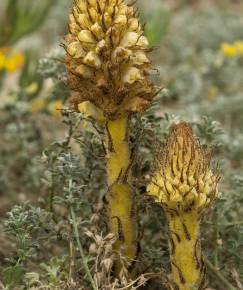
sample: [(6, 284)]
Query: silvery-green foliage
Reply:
[(26, 224)]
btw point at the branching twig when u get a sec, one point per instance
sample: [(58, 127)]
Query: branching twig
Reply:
[(218, 275), (76, 233)]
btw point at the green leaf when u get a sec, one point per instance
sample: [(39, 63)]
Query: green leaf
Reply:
[(157, 27), (7, 27), (13, 275)]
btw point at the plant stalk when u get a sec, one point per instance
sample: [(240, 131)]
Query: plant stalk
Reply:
[(81, 250), (121, 211), (187, 265)]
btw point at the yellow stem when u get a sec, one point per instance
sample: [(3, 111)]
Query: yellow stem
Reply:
[(120, 196), (185, 251)]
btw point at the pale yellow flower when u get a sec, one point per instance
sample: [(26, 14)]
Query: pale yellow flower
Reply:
[(38, 105), (32, 88), (14, 62), (212, 92), (2, 60), (11, 62), (228, 50), (239, 47), (55, 108), (89, 110)]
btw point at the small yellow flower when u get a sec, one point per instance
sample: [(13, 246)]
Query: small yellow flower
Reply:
[(32, 88), (89, 110), (55, 108), (11, 62), (37, 105), (228, 50), (212, 92), (14, 62), (2, 60), (239, 47)]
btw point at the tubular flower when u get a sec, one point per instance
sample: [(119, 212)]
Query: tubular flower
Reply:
[(185, 186), (89, 110), (107, 57)]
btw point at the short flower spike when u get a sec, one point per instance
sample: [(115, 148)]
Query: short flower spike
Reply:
[(185, 186), (107, 57), (184, 179)]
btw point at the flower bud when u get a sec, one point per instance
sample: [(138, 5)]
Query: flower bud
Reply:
[(184, 180), (75, 50), (129, 39), (131, 75), (97, 30), (84, 71), (92, 59), (86, 36)]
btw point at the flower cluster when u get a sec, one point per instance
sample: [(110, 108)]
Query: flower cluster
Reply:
[(107, 57), (184, 180), (232, 50), (10, 61)]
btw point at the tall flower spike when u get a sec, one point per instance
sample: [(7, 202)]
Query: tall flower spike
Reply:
[(107, 57), (108, 66), (185, 186)]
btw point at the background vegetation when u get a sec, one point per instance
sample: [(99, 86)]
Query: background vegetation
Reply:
[(52, 159)]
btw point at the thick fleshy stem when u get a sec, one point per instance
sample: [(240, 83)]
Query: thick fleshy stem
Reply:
[(121, 211), (188, 270)]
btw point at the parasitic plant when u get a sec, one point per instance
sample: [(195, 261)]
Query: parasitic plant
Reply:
[(185, 186), (108, 66)]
